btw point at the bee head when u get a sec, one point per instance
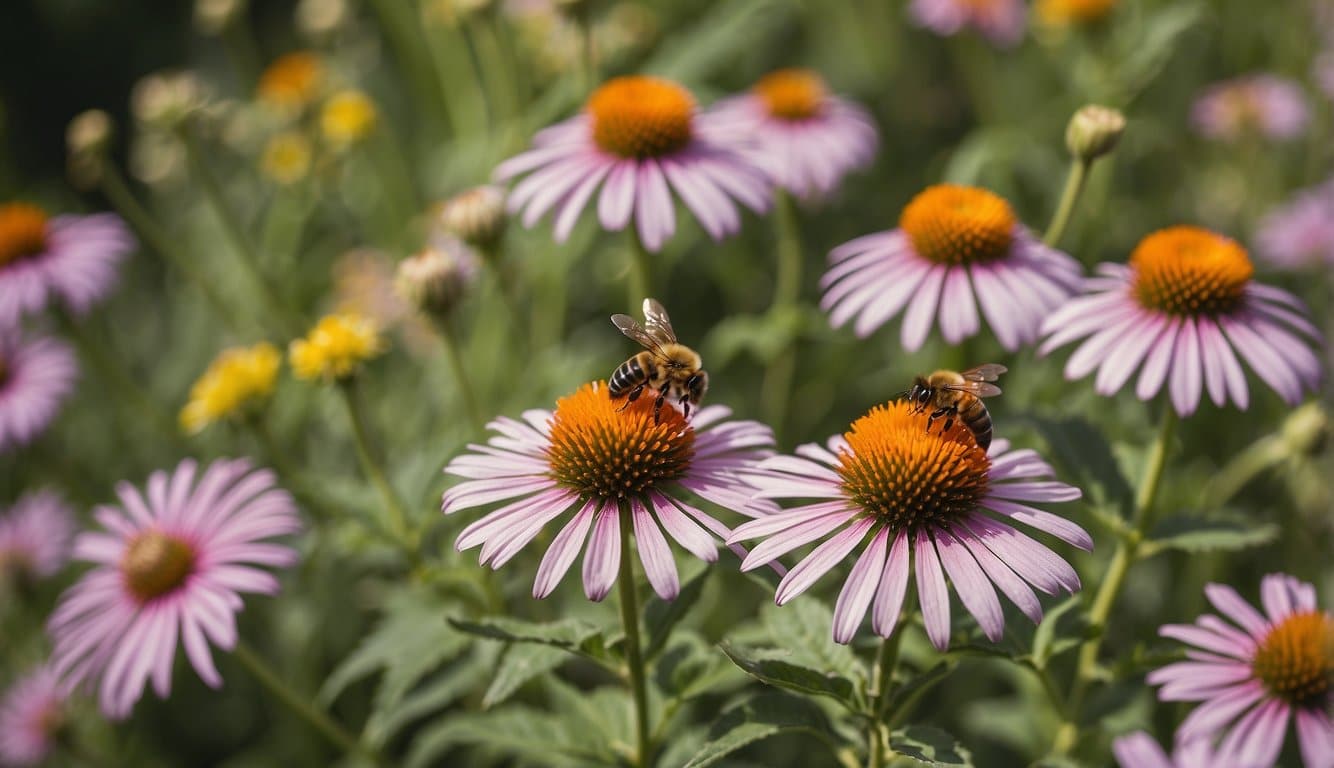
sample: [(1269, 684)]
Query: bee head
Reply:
[(921, 393)]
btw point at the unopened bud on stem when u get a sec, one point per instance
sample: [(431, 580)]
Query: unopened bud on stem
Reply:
[(1093, 132)]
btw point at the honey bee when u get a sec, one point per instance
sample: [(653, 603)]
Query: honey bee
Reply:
[(952, 394), (665, 365)]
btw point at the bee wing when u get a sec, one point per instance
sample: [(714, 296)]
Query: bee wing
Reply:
[(987, 372), (631, 327), (975, 388), (657, 323)]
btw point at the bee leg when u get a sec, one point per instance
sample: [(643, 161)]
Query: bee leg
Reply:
[(684, 402), (657, 406), (630, 398), (935, 415)]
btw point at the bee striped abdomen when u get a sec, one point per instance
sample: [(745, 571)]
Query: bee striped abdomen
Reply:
[(626, 377), (978, 421)]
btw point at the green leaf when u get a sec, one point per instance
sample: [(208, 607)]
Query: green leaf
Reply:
[(1044, 639), (660, 616), (433, 695), (404, 646), (521, 731), (803, 628), (1147, 48), (759, 718), (1083, 457), (571, 634), (932, 746), (521, 663), (691, 667), (713, 42), (916, 686), (1197, 534), (793, 677)]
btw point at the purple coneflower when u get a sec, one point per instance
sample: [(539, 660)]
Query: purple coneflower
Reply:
[(805, 138), (31, 714), (639, 138), (1264, 105), (1301, 233), (72, 259), (170, 566), (611, 468), (35, 535), (1182, 306), (955, 248), (1000, 21), (1139, 750), (35, 377), (932, 498), (1257, 676)]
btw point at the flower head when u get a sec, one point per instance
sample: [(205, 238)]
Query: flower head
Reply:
[(36, 375), (475, 216), (170, 565), (32, 714), (347, 117), (956, 247), (35, 536), (1257, 676), (237, 382), (1263, 105), (335, 348), (611, 464), (639, 138), (436, 279), (1139, 750), (929, 497), (1301, 232), (292, 81), (1185, 306), (164, 99), (287, 158), (805, 138), (1066, 13), (1000, 21), (44, 259)]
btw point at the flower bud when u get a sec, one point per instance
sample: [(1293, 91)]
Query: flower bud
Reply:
[(165, 99), (1306, 430), (436, 279), (89, 133), (320, 18), (1093, 132), (213, 16), (476, 216)]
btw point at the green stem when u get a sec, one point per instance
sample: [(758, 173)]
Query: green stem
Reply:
[(299, 705), (1127, 550), (233, 228), (493, 255), (882, 681), (1074, 186), (777, 386), (398, 519), (1258, 457), (449, 341), (638, 282), (123, 200), (634, 659), (414, 54), (395, 174)]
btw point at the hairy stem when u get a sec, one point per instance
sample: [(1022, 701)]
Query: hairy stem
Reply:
[(787, 291), (449, 340), (398, 519), (1074, 187), (634, 658), (638, 282)]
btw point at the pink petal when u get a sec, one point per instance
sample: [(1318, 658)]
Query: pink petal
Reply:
[(603, 556), (931, 591), (860, 587), (659, 567)]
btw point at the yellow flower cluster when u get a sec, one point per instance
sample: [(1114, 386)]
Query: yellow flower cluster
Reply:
[(335, 347), (287, 158), (238, 379), (347, 117)]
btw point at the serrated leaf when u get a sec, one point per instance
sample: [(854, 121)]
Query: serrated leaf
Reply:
[(803, 628), (793, 677), (1196, 534), (755, 719), (521, 663), (661, 616), (932, 746), (407, 644)]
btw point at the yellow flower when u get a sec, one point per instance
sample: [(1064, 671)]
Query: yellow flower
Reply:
[(292, 81), (287, 158), (335, 347), (348, 117), (240, 378)]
